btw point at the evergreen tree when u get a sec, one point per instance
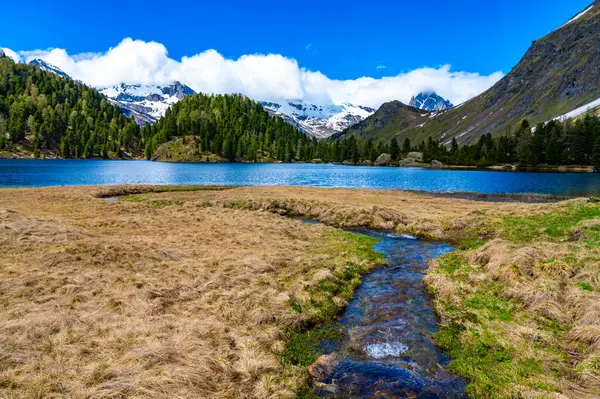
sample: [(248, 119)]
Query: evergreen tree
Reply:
[(394, 149)]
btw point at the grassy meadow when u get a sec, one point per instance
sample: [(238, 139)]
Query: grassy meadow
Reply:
[(194, 292)]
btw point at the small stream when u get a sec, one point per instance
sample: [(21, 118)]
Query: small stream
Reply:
[(387, 350)]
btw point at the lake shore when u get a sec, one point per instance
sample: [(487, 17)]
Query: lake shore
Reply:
[(195, 157), (130, 296)]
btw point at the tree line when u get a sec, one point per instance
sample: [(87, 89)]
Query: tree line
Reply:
[(553, 143)]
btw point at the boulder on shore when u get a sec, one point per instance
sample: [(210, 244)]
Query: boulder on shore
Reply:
[(409, 162), (437, 164), (416, 156), (383, 160), (324, 367)]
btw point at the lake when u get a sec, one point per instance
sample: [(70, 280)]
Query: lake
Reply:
[(40, 173)]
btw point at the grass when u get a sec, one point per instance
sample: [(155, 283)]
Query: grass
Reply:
[(209, 292), (520, 312)]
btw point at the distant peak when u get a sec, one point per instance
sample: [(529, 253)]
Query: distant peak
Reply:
[(46, 66), (430, 101)]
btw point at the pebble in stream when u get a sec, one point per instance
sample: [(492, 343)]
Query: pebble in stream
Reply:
[(388, 351)]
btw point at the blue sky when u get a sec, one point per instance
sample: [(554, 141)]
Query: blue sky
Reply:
[(343, 40), (349, 38)]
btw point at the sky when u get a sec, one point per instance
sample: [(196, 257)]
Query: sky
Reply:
[(320, 51)]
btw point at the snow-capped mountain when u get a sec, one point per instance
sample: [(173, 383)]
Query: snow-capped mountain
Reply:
[(430, 101), (146, 103), (46, 66), (318, 121)]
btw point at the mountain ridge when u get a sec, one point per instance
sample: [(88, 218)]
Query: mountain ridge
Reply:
[(558, 74), (319, 121)]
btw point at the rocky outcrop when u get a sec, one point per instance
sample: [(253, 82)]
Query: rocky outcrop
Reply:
[(412, 159), (416, 156), (383, 160)]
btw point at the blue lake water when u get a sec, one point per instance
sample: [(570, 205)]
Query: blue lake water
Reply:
[(39, 173)]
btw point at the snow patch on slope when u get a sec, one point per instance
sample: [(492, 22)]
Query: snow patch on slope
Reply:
[(579, 111), (581, 14)]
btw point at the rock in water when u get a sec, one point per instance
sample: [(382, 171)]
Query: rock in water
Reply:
[(324, 367), (383, 160)]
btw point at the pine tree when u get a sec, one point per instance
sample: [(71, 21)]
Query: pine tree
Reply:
[(394, 149)]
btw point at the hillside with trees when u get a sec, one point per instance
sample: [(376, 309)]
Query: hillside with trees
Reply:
[(42, 113), (233, 127)]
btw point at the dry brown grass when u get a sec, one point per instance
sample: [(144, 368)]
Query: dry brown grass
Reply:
[(121, 299)]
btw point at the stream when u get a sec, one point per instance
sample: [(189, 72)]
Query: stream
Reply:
[(387, 349)]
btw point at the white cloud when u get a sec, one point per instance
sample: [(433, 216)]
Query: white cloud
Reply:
[(260, 76), (11, 54), (380, 67)]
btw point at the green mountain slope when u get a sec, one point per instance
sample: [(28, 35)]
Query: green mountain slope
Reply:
[(559, 73), (389, 119), (42, 113)]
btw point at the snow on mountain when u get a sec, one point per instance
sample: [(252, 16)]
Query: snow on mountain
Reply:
[(146, 103), (581, 14), (46, 66), (430, 101), (318, 121)]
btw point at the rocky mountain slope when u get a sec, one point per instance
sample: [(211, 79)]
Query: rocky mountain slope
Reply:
[(319, 121), (146, 103), (430, 101), (559, 73)]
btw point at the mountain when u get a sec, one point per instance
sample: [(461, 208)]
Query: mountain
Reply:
[(202, 128), (390, 118), (81, 124), (46, 66), (320, 121), (558, 74), (430, 101), (146, 103)]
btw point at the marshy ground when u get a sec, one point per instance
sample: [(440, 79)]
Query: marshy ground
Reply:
[(203, 292)]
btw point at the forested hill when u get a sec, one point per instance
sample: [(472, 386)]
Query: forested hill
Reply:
[(232, 127), (42, 114)]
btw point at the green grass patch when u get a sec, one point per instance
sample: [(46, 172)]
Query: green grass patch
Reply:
[(585, 286), (133, 198), (474, 335), (556, 225)]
